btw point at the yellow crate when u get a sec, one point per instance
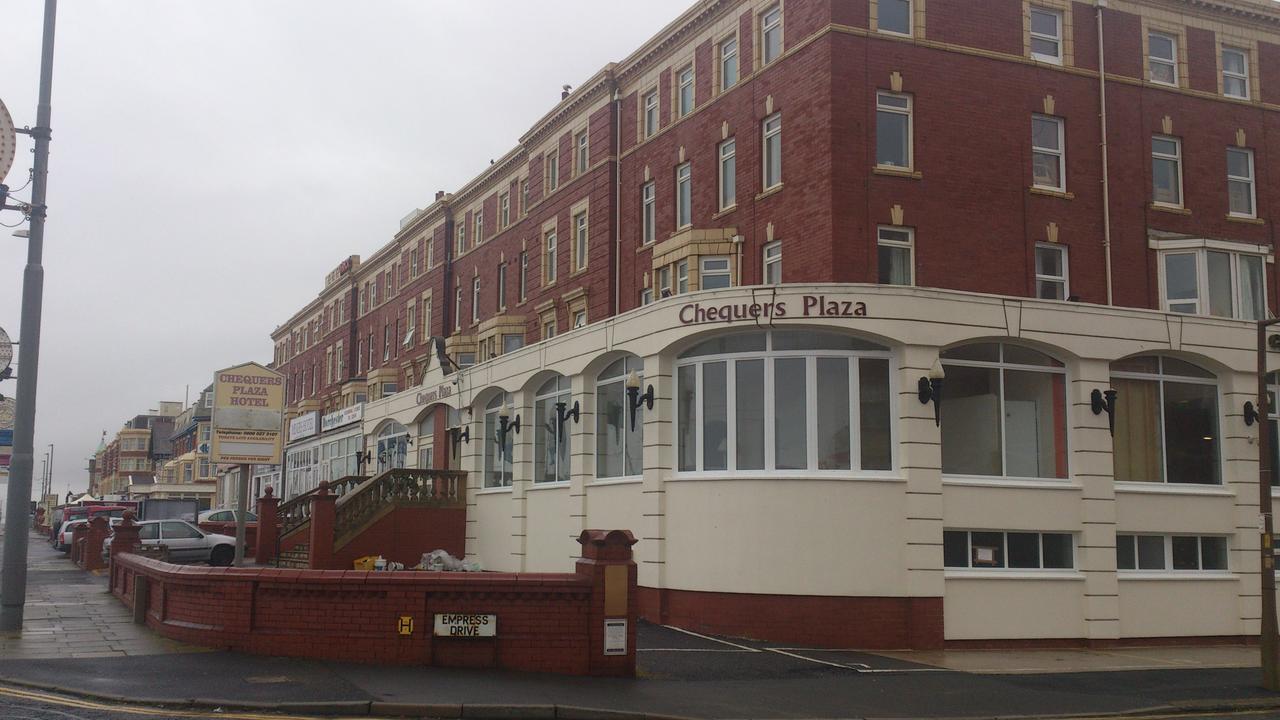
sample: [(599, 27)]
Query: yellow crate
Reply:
[(366, 562)]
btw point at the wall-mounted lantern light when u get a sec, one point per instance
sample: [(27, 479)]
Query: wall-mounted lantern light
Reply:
[(506, 424), (563, 414), (459, 435), (1250, 413), (1100, 400), (930, 388), (634, 398), (363, 459)]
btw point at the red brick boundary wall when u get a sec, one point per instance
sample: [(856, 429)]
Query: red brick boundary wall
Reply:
[(873, 623), (547, 622)]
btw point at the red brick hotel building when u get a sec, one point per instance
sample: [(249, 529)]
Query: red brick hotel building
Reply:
[(874, 257)]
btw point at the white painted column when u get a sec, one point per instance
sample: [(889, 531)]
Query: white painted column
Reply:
[(1240, 467), (471, 460), (582, 447), (920, 458), (521, 476), (659, 460), (1092, 466)]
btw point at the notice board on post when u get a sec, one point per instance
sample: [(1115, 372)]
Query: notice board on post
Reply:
[(248, 409)]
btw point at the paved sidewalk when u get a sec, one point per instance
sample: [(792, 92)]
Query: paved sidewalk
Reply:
[(79, 639)]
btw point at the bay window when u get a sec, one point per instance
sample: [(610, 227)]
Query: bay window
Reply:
[(1203, 281), (751, 402), (1166, 422), (619, 447), (551, 437), (497, 449), (1004, 413)]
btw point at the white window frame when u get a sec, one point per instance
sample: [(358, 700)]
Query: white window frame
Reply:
[(582, 152), (524, 275), (648, 213), (549, 257), (629, 364), (579, 319), (646, 296), (911, 21), (1176, 158), (1160, 379), (728, 165), (684, 208), (728, 50), (1056, 39), (909, 244), (460, 243), (581, 236), (457, 315), (562, 432), (770, 21), (551, 170), (1060, 152), (908, 111), (504, 477), (502, 286), (1242, 77), (1002, 366), (685, 100), (771, 130), (771, 262), (478, 219), (475, 299), (1153, 60), (504, 209), (1201, 301), (649, 113), (769, 355), (1167, 556), (1064, 279), (1249, 180), (1004, 568), (704, 273), (682, 277)]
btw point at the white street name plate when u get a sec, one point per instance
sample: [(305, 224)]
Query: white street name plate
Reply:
[(465, 625)]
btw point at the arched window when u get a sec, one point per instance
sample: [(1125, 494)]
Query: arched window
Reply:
[(550, 437), (1166, 421), (427, 441), (785, 400), (497, 450), (393, 445), (1004, 412), (619, 447)]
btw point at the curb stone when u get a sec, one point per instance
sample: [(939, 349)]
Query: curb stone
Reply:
[(571, 712)]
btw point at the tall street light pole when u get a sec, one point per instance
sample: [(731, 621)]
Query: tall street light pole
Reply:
[(1270, 639), (13, 573)]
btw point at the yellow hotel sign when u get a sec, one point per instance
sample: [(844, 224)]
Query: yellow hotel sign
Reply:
[(248, 410)]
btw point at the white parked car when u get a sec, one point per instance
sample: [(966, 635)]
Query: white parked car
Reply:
[(64, 534), (226, 515), (188, 543)]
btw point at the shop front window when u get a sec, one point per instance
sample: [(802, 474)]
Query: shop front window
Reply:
[(1004, 412), (1166, 421), (497, 449), (784, 401), (551, 437), (619, 447)]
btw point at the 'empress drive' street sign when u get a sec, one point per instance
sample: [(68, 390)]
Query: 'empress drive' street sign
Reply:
[(465, 625)]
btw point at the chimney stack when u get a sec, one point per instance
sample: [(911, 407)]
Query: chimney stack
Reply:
[(564, 91), (439, 194)]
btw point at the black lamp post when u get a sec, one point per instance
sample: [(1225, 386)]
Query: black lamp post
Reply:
[(930, 388), (634, 398)]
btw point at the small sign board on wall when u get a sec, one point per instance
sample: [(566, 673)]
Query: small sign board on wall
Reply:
[(615, 637), (463, 625)]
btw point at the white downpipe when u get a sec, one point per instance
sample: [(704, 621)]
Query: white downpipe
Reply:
[(617, 201), (1102, 118)]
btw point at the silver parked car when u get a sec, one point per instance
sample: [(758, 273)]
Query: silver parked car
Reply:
[(187, 543)]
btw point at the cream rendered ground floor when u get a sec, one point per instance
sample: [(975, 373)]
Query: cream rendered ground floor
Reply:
[(789, 482)]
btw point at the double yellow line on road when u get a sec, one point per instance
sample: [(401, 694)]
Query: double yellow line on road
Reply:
[(70, 702)]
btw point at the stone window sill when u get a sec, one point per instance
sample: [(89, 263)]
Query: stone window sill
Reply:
[(1175, 209), (1050, 192), (896, 172)]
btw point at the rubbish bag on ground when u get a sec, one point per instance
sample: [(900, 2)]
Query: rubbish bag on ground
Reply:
[(442, 560)]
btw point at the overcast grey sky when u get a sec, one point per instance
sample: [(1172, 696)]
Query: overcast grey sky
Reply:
[(212, 160)]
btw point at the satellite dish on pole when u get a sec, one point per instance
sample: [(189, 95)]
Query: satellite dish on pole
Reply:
[(6, 351), (8, 141)]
